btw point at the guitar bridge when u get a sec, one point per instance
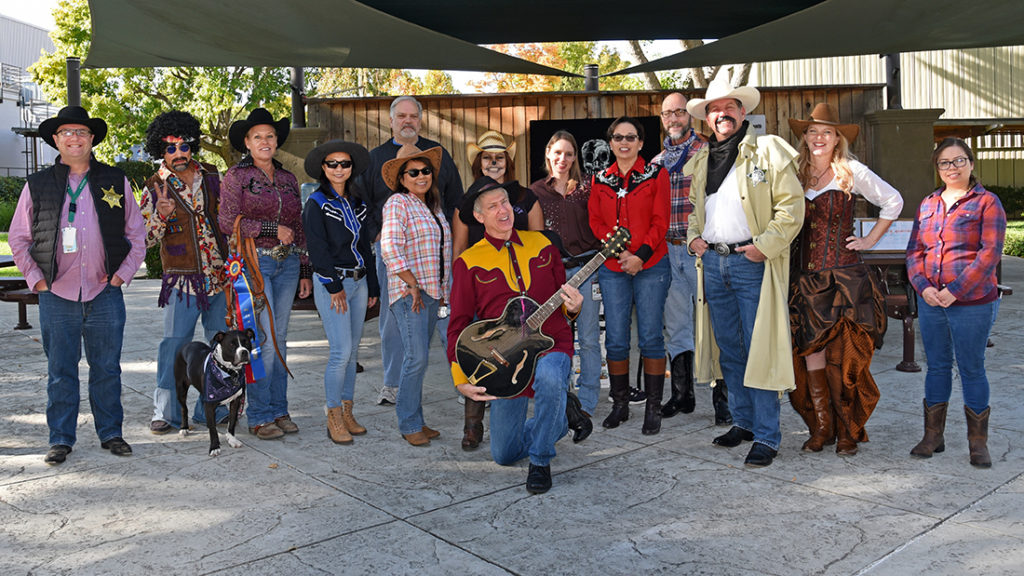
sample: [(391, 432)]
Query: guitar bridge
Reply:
[(497, 356)]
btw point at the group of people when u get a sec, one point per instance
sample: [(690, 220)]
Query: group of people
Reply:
[(742, 267)]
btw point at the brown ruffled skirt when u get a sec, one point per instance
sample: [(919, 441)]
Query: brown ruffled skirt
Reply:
[(841, 311)]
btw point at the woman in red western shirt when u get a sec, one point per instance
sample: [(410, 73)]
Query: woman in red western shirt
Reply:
[(634, 195), (954, 249)]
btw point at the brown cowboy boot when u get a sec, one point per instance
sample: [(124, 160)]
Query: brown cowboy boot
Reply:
[(618, 375), (823, 432), (473, 430), (934, 426), (654, 385), (845, 444), (354, 428), (977, 437)]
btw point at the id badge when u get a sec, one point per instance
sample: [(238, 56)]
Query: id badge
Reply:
[(69, 239)]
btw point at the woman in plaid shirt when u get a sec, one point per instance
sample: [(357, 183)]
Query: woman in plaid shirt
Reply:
[(954, 249)]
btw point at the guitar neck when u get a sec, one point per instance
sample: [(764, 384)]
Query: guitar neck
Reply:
[(537, 319)]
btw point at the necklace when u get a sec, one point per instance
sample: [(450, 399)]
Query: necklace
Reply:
[(813, 180)]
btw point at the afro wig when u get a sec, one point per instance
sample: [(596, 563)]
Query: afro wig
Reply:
[(173, 123)]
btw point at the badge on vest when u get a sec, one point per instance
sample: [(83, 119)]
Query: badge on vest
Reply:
[(756, 176), (112, 198)]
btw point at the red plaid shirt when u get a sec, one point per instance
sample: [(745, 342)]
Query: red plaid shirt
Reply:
[(679, 189), (958, 249)]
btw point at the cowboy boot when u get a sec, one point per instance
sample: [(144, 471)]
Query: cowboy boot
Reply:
[(473, 430), (654, 385), (618, 375), (682, 399), (336, 426), (720, 400), (977, 437), (934, 426), (822, 432), (579, 421), (845, 444), (353, 427)]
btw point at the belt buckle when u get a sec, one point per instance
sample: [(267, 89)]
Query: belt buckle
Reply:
[(358, 273), (280, 252), (722, 248)]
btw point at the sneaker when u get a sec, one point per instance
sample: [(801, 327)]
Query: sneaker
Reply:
[(388, 395), (159, 427), (637, 396)]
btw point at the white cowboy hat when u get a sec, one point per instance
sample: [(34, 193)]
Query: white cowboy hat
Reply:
[(748, 96)]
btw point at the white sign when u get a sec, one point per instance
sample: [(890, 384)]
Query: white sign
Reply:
[(758, 122), (895, 238)]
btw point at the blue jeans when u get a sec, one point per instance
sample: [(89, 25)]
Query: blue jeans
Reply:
[(65, 324), (391, 349), (513, 437), (588, 333), (961, 332), (267, 398), (679, 304), (343, 329), (647, 290), (180, 317), (732, 287), (416, 329)]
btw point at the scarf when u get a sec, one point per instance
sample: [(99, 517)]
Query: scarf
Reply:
[(673, 156), (721, 156)]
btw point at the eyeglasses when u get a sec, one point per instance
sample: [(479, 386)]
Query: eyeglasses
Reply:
[(69, 132), (415, 172), (183, 146), (332, 164), (626, 137), (678, 112), (944, 165)]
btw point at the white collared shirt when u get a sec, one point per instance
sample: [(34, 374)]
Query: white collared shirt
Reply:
[(725, 220)]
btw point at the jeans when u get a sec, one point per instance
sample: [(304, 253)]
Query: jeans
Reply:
[(180, 317), (679, 304), (416, 329), (343, 329), (960, 332), (267, 398), (513, 437), (588, 332), (65, 324), (391, 349), (647, 290), (732, 287)]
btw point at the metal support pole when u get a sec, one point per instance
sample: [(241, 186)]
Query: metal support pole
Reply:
[(892, 82), (298, 93), (590, 83), (74, 79)]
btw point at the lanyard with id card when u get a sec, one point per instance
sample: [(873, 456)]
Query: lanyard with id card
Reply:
[(69, 236)]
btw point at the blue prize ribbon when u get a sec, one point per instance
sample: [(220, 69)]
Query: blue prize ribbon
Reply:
[(246, 317)]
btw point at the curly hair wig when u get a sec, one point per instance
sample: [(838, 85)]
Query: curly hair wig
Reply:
[(173, 123)]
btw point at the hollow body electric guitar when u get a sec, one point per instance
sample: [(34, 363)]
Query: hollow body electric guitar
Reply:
[(501, 354)]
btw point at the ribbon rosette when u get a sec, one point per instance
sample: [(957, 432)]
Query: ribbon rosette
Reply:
[(233, 267)]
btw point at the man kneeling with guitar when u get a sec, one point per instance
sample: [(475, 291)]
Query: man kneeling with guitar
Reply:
[(502, 278)]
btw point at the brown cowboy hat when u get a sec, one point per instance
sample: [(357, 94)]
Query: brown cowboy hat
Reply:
[(257, 117), (389, 171), (490, 141), (72, 115), (825, 114)]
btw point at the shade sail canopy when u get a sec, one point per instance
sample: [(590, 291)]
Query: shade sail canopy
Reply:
[(853, 27), (342, 33)]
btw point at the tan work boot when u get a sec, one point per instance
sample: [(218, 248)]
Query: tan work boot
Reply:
[(934, 429), (336, 426), (351, 425)]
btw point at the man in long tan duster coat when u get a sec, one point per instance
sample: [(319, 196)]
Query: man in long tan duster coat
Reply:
[(748, 206)]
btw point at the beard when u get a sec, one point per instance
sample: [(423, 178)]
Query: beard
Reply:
[(408, 132), (180, 164)]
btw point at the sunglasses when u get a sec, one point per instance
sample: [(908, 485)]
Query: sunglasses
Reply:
[(626, 137), (332, 164), (415, 172), (183, 146)]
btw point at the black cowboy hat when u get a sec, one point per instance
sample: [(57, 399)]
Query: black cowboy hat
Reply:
[(481, 185), (257, 117), (72, 115), (315, 158)]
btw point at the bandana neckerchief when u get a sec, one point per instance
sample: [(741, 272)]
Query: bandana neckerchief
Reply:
[(721, 156), (674, 156)]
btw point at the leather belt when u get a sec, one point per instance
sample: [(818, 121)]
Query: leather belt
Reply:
[(724, 249), (577, 261), (676, 241), (280, 252), (353, 273)]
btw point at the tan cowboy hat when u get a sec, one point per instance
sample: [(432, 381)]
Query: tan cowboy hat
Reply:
[(748, 96), (490, 141), (825, 114), (389, 171)]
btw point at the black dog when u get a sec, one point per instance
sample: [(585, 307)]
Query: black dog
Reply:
[(217, 371)]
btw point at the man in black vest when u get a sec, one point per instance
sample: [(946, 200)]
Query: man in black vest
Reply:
[(78, 236), (180, 205)]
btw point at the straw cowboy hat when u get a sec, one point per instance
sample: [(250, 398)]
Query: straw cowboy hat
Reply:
[(257, 117), (389, 171), (825, 114), (72, 115), (748, 96), (315, 159), (490, 141)]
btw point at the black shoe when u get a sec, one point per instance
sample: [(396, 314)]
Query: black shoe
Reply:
[(57, 454), (117, 446), (618, 415), (538, 481), (760, 455), (733, 437), (580, 433), (579, 422), (720, 400)]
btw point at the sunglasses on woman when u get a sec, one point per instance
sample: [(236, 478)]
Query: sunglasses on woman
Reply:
[(332, 164), (626, 137), (415, 172)]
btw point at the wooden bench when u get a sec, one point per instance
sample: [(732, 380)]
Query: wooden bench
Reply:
[(15, 289)]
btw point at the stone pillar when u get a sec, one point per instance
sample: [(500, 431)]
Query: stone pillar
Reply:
[(901, 143)]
